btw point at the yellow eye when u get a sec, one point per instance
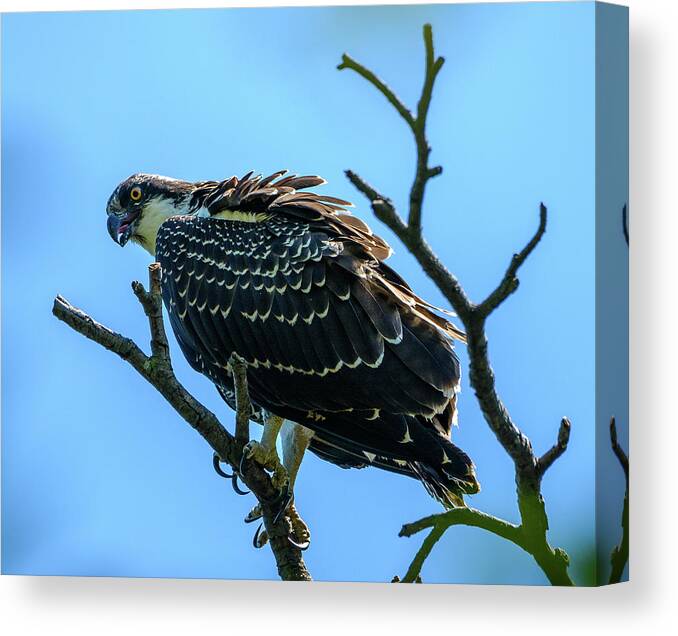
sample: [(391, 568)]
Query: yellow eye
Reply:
[(135, 193)]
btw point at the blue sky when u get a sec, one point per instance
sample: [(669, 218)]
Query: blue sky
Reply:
[(100, 477)]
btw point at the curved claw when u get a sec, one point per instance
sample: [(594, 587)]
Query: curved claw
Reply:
[(253, 515), (216, 462), (240, 465), (255, 541), (285, 500), (238, 489), (301, 546)]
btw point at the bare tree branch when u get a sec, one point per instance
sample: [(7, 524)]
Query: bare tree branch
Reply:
[(482, 376), (403, 111), (618, 450), (414, 571), (553, 453), (529, 470), (385, 211), (466, 517), (152, 305), (620, 554), (157, 370), (510, 283), (417, 125), (455, 517), (242, 401)]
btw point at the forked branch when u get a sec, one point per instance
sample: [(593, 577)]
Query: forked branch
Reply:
[(455, 517), (157, 370), (416, 124), (529, 469)]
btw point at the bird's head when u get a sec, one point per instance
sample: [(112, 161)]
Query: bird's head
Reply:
[(141, 203)]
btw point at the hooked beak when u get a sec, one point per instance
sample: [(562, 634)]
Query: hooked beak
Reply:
[(121, 228)]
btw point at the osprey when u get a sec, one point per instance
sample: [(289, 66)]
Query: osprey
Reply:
[(335, 342)]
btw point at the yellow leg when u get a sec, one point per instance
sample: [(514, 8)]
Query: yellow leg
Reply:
[(265, 453), (295, 441)]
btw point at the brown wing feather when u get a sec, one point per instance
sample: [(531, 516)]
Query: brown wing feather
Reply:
[(282, 194)]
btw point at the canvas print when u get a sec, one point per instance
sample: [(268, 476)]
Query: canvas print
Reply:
[(377, 327)]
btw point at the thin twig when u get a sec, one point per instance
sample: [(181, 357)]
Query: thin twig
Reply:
[(203, 420), (557, 449), (157, 370), (385, 211), (466, 517), (414, 571), (152, 304), (620, 555), (382, 206), (424, 172), (618, 450), (455, 517), (348, 62), (510, 283), (433, 67), (242, 401), (417, 124)]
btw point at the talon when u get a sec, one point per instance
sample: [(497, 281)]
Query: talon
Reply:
[(300, 531), (238, 489), (242, 459), (216, 462), (260, 537), (254, 514), (281, 482), (301, 546), (285, 498), (269, 461)]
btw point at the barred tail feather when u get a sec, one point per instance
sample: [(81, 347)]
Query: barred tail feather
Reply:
[(445, 471), (448, 482)]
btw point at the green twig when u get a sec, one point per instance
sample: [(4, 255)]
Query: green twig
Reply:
[(414, 571)]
